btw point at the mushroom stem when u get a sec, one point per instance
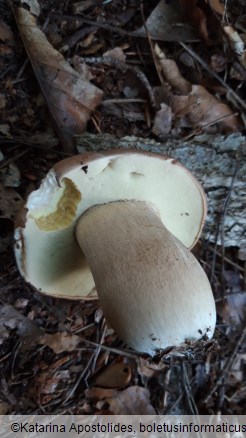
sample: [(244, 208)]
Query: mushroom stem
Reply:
[(152, 290)]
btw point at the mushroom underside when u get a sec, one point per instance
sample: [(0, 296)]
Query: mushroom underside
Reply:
[(47, 252)]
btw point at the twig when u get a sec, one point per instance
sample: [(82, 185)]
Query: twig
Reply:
[(99, 347), (5, 71), (82, 329), (222, 231), (188, 391), (124, 100), (150, 42), (227, 260), (209, 70), (95, 23), (206, 125), (72, 40), (10, 160), (221, 221), (227, 366), (120, 351), (72, 391)]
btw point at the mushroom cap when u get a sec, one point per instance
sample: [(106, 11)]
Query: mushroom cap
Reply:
[(47, 253)]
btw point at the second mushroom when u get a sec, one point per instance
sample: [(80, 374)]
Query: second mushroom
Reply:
[(121, 224)]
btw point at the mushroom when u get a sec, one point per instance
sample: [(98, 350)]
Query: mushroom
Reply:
[(122, 221)]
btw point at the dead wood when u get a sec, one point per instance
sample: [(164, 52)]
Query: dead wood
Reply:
[(218, 162)]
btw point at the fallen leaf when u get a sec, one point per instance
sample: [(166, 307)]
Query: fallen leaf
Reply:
[(60, 342), (219, 62), (149, 368), (216, 6), (238, 367), (33, 5), (233, 309), (11, 176), (100, 393), (116, 53), (199, 109), (236, 43), (88, 40), (4, 408), (114, 376), (10, 203), (171, 72), (134, 400), (195, 106), (11, 319), (82, 68), (5, 50), (196, 16), (46, 384), (203, 15), (163, 121), (162, 24), (238, 72), (6, 33), (70, 99)]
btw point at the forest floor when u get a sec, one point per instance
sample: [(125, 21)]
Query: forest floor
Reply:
[(156, 70)]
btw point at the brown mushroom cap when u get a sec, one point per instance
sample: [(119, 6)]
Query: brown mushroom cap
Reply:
[(46, 249)]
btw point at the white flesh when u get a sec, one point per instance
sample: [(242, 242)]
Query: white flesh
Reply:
[(52, 261)]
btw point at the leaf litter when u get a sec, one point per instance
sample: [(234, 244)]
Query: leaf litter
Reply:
[(57, 368), (69, 97)]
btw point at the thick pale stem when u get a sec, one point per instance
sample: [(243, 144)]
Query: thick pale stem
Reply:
[(152, 290)]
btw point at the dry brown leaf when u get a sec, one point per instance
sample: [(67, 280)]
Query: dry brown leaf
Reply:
[(60, 342), (100, 393), (5, 32), (4, 408), (134, 400), (171, 72), (12, 176), (148, 368), (46, 384), (11, 319), (200, 109), (233, 309), (238, 367), (163, 121), (114, 376), (196, 16), (70, 99), (10, 203), (216, 6), (195, 106), (162, 24), (5, 50), (219, 62), (34, 6), (116, 53), (236, 43)]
